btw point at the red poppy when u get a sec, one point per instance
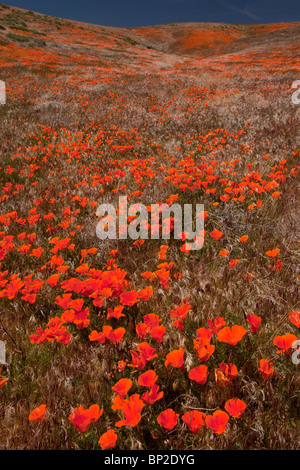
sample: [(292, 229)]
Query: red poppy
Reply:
[(194, 420), (231, 335), (38, 414), (273, 253), (216, 325), (147, 379), (225, 374), (122, 387), (81, 418), (294, 317), (199, 374), (129, 298), (153, 395), (235, 407), (284, 343), (216, 234), (175, 358), (168, 419), (254, 322), (131, 409), (265, 368), (108, 439), (217, 421)]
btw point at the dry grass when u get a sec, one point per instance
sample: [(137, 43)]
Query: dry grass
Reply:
[(68, 105)]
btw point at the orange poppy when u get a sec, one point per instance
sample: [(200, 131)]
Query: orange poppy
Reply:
[(266, 368), (254, 322), (175, 358), (217, 421), (38, 414), (194, 420), (231, 335), (168, 419), (199, 374), (235, 407), (108, 439), (122, 387), (147, 379), (284, 343), (294, 317), (81, 418)]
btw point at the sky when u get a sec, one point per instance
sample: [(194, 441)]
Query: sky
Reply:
[(131, 13)]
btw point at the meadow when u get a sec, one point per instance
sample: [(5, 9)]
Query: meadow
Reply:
[(146, 344)]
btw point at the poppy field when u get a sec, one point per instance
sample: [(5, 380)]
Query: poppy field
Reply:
[(146, 344)]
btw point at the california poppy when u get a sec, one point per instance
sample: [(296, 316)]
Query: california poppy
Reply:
[(254, 322), (122, 387), (147, 379), (199, 374), (266, 368), (294, 317), (38, 414), (284, 342), (108, 439), (194, 420), (81, 418), (235, 407), (168, 419), (217, 421), (175, 358), (231, 335)]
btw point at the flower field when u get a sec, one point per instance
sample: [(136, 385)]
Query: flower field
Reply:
[(147, 344)]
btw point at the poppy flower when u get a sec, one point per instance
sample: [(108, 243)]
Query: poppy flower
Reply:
[(129, 298), (38, 414), (3, 382), (153, 395), (225, 374), (254, 322), (273, 253), (122, 387), (204, 351), (115, 313), (231, 335), (175, 358), (147, 379), (233, 263), (158, 333), (81, 418), (223, 252), (294, 317), (216, 234), (217, 421), (146, 293), (265, 368), (199, 374), (132, 411), (244, 238), (235, 407), (216, 325), (108, 439), (284, 342), (194, 420), (168, 419)]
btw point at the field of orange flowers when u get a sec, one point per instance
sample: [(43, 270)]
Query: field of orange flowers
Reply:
[(130, 345)]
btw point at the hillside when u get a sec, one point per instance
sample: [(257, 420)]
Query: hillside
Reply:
[(154, 343)]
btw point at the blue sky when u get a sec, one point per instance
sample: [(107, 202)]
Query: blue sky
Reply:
[(128, 13)]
